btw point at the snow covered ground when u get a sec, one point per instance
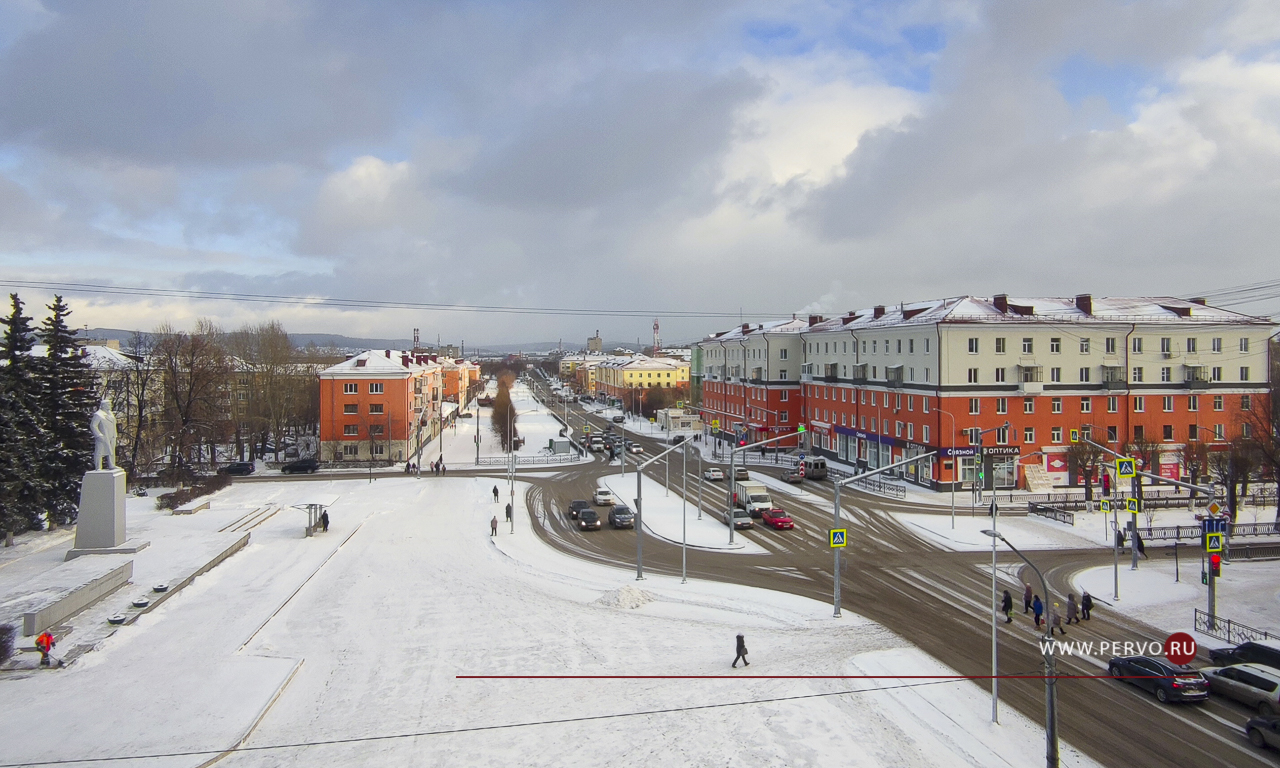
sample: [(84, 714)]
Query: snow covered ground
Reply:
[(536, 423), (663, 511)]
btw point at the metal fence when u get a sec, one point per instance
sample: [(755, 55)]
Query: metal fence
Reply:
[(1253, 552), (502, 461), (1171, 532), (1053, 513), (1225, 629)]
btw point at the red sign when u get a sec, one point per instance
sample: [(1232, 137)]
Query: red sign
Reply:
[(1169, 471), (1056, 464)]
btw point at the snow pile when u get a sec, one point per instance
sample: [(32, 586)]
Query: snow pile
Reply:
[(625, 596)]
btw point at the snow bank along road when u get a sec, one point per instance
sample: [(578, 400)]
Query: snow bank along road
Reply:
[(939, 600)]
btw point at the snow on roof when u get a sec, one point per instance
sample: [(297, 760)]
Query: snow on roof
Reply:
[(98, 357), (376, 361)]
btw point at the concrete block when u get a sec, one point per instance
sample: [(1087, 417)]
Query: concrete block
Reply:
[(101, 521), (71, 601)]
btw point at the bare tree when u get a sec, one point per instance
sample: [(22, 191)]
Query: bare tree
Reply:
[(141, 395), (195, 370), (1194, 458), (504, 414), (1233, 466), (1263, 424), (1084, 459)]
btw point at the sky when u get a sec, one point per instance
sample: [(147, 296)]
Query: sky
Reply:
[(714, 160)]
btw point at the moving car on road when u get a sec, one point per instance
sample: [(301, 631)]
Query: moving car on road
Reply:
[(714, 473), (621, 516), (741, 518), (1168, 681), (618, 419), (1254, 685), (576, 506), (792, 476), (1252, 652), (237, 468), (603, 497), (634, 447), (588, 520), (1263, 732), (301, 466), (777, 518)]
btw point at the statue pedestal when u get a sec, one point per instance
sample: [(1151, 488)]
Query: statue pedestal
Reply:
[(100, 529)]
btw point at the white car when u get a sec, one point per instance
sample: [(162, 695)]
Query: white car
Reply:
[(714, 473), (603, 498), (635, 448)]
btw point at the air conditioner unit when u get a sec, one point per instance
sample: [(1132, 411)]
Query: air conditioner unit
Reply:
[(1167, 355)]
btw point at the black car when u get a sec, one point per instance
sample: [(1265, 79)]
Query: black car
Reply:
[(237, 468), (677, 439), (1247, 653), (588, 520), (618, 419), (577, 506), (621, 516), (301, 466), (1169, 682), (1263, 732)]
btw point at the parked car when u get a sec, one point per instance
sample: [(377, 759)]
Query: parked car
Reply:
[(618, 419), (576, 506), (237, 468), (603, 497), (621, 516), (301, 466), (1252, 652), (792, 476), (677, 439), (588, 520), (740, 473), (466, 415), (1263, 732), (1168, 681), (777, 518), (714, 473), (1254, 685)]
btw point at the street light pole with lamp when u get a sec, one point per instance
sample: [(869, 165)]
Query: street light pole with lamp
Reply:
[(733, 455)]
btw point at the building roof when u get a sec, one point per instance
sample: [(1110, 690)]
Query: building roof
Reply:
[(376, 362), (99, 358)]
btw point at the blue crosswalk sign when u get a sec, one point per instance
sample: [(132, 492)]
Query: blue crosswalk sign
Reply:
[(838, 536)]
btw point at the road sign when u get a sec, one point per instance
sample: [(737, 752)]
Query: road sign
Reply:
[(1104, 506), (837, 537), (1075, 435), (715, 423), (1131, 505), (1214, 508), (679, 403), (1126, 469), (800, 428), (802, 456), (802, 469), (1213, 542)]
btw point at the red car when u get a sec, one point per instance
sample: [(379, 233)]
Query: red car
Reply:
[(777, 518)]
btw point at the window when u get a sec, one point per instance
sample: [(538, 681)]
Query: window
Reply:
[(1137, 344), (1168, 403), (1028, 434), (1055, 346), (1216, 346), (1138, 433), (1113, 404), (1028, 405), (1055, 405), (1111, 345), (1244, 373), (351, 388), (351, 408), (999, 374), (1055, 374), (376, 429), (973, 435), (973, 375), (911, 402), (1166, 373), (1086, 405), (1112, 435), (1217, 402), (1191, 346), (1084, 346), (1084, 375), (350, 429), (1027, 346), (973, 405), (1244, 345), (1139, 404), (897, 429), (874, 342), (350, 450), (1216, 373), (924, 405), (1193, 433), (899, 346), (924, 430), (911, 346), (1000, 346), (1246, 403), (1219, 432), (973, 346), (375, 388), (1246, 430), (782, 354), (1002, 405), (375, 408), (1193, 403), (782, 374), (1166, 345), (864, 347), (784, 416), (1055, 434), (1137, 374), (1168, 433), (1002, 436)]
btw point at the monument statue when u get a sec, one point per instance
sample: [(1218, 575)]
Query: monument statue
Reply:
[(103, 427)]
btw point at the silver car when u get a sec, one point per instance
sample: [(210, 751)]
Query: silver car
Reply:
[(1254, 685)]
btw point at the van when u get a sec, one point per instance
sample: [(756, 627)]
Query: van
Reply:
[(815, 467)]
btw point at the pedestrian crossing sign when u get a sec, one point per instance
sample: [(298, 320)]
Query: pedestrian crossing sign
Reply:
[(1075, 435), (1213, 542), (1104, 506), (715, 423), (1126, 469), (838, 536), (1131, 505)]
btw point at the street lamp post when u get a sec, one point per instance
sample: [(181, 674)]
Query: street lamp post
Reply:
[(684, 515), (639, 519), (955, 467), (1050, 667)]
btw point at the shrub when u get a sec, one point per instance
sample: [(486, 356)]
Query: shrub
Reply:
[(202, 487), (7, 633)]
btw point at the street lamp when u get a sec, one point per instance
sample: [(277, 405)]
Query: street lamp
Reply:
[(955, 466), (1050, 666)]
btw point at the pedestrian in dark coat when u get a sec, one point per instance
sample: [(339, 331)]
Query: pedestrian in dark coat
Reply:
[(1038, 608), (442, 466), (742, 652), (495, 494), (1006, 607), (493, 526), (1026, 597), (508, 511), (324, 521), (1086, 605), (1073, 610)]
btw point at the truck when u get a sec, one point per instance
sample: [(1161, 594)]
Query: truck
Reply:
[(752, 496)]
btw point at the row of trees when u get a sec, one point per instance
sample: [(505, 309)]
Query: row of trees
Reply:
[(504, 416), (46, 402)]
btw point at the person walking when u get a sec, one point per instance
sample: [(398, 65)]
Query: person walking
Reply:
[(1086, 605), (1006, 607), (1038, 608), (508, 511), (45, 643), (1055, 620), (495, 494), (493, 526), (1073, 609), (742, 652), (1026, 597), (442, 466), (324, 521)]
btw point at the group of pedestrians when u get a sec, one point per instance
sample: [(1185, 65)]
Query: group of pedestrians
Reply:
[(437, 467), (1031, 603)]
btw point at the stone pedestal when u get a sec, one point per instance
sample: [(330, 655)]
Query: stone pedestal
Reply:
[(100, 528)]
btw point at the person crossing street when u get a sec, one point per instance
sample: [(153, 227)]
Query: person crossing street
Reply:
[(742, 652), (1006, 607)]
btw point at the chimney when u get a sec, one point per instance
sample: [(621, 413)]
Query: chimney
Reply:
[(814, 320), (387, 353), (746, 327), (878, 312), (404, 360), (1198, 300), (1001, 300), (1084, 303)]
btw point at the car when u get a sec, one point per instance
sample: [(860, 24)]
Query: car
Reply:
[(714, 473), (467, 415), (603, 497), (677, 439), (1255, 685), (1263, 731), (576, 506), (619, 419), (740, 473), (741, 518), (608, 427), (1168, 681), (587, 399), (1252, 652), (777, 518), (588, 520), (301, 466), (792, 476), (634, 447), (237, 468), (621, 516)]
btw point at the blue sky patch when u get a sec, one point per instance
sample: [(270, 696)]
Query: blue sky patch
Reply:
[(1120, 84)]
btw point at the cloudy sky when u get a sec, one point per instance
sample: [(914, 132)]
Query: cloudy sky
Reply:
[(673, 157)]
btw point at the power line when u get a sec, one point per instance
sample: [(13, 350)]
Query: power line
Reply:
[(336, 302)]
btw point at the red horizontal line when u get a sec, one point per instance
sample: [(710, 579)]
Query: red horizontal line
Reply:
[(803, 677)]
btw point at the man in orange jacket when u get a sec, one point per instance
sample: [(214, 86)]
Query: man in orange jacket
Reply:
[(45, 643)]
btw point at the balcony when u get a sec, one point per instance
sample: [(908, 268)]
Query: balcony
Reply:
[(1113, 385), (893, 376)]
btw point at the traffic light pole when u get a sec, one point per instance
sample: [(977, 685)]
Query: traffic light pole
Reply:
[(733, 455)]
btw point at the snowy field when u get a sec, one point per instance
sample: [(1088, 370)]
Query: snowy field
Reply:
[(1026, 532), (535, 422)]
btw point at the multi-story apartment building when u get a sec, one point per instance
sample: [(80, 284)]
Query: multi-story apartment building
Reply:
[(381, 405), (887, 383), (750, 380), (627, 377)]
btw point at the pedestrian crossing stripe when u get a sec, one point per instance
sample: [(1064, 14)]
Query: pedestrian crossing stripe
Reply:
[(837, 537)]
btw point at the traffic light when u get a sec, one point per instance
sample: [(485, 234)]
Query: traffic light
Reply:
[(1215, 564)]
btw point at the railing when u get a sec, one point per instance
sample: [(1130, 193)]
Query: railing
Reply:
[(881, 487), (1053, 513), (1253, 552), (1225, 629), (1168, 532), (502, 461)]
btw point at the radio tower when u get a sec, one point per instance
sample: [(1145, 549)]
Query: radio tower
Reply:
[(656, 340)]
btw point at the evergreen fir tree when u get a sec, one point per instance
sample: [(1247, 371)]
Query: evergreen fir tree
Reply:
[(68, 400), (22, 438)]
